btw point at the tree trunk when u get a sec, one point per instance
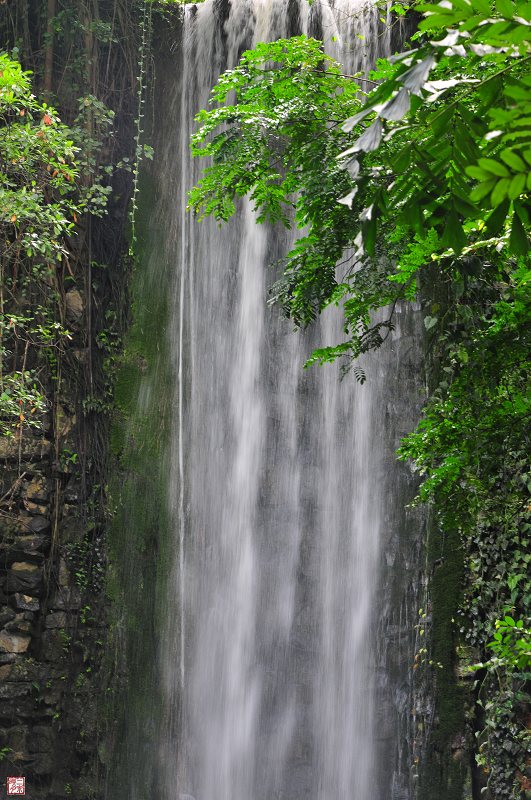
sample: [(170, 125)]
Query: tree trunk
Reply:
[(26, 38), (48, 55)]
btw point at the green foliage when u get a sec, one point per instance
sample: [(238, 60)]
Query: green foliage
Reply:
[(22, 402), (5, 752), (511, 644), (46, 184), (272, 144), (409, 157), (38, 210), (418, 188), (504, 741), (92, 126), (449, 128), (168, 2), (37, 170)]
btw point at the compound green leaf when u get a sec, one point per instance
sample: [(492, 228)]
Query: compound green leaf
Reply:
[(482, 190), (500, 191), (494, 167), (517, 186), (505, 8), (513, 160)]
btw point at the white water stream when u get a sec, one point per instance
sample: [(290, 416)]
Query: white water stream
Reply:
[(284, 659)]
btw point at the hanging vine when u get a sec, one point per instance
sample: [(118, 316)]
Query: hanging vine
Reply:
[(146, 28)]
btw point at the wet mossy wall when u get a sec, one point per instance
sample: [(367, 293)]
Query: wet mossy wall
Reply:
[(140, 531), (445, 770), (142, 546)]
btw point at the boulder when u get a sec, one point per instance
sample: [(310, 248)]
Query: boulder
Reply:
[(6, 615), (16, 738), (35, 508), (64, 422), (56, 619), (39, 524), (52, 645), (74, 306), (19, 624), (24, 602), (14, 643), (38, 489), (19, 525), (66, 599), (17, 708), (31, 447), (7, 658), (5, 672), (10, 691), (35, 542), (24, 576), (28, 548)]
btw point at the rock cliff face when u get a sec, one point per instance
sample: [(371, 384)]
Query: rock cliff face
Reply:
[(51, 616), (54, 625)]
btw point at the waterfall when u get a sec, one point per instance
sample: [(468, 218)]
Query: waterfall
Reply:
[(288, 635)]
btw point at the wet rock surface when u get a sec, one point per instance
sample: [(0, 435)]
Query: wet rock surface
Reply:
[(49, 620)]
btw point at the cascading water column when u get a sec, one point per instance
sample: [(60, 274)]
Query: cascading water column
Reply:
[(284, 498)]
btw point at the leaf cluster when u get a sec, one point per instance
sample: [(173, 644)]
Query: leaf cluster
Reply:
[(38, 211)]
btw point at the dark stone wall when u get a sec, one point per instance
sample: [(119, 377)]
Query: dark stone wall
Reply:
[(52, 617), (56, 660)]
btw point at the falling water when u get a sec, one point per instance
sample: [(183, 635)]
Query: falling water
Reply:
[(285, 651)]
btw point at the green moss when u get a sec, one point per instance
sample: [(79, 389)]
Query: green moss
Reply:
[(140, 546), (443, 774), (118, 435), (127, 384)]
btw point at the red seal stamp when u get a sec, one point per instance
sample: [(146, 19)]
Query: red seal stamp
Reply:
[(16, 786)]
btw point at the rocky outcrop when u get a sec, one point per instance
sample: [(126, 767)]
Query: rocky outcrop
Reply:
[(51, 618)]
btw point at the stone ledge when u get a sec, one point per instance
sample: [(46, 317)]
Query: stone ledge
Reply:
[(11, 448)]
